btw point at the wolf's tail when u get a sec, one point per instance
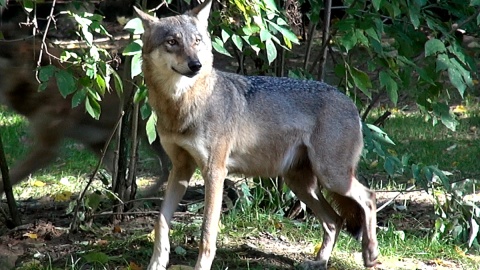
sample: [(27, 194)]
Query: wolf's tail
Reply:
[(351, 212)]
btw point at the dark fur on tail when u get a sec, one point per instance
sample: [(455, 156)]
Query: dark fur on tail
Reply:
[(350, 211)]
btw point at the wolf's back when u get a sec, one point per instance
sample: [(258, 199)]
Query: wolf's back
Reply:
[(290, 96)]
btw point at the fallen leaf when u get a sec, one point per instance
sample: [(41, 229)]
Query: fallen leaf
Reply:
[(63, 196), (31, 235), (38, 183), (134, 266), (117, 229)]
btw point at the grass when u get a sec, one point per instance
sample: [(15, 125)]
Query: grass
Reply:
[(456, 151), (245, 233)]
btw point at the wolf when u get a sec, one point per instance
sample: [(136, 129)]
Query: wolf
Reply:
[(305, 131), (51, 116)]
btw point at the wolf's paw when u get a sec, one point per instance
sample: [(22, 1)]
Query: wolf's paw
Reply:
[(157, 265), (312, 265)]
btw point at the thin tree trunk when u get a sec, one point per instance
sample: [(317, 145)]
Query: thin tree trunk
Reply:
[(7, 187), (325, 39)]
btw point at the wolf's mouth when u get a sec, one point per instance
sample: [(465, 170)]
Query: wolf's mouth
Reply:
[(189, 74)]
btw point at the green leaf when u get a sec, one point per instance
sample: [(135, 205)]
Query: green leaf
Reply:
[(379, 134), (249, 30), (46, 72), (3, 3), (136, 65), (443, 111), (443, 62), (145, 110), (93, 200), (96, 257), (390, 164), (434, 46), (376, 4), (414, 14), (151, 128), (225, 34), (372, 33), (362, 81), (133, 48), (118, 82), (66, 82), (134, 26), (445, 181), (390, 85), (474, 2), (28, 5), (349, 40), (457, 80), (93, 107), (101, 84), (265, 35), (270, 4), (362, 39), (271, 50), (237, 40), (286, 32), (79, 97), (219, 46), (141, 94)]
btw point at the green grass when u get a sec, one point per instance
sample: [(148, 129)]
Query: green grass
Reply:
[(456, 151)]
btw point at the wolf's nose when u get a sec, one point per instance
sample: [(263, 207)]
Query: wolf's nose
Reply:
[(194, 66)]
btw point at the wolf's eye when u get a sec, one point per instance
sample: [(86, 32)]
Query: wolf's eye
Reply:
[(172, 42), (197, 41)]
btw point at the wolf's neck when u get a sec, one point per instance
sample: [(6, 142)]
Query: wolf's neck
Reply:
[(180, 101)]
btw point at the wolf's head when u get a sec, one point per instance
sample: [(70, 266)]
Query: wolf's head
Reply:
[(178, 46)]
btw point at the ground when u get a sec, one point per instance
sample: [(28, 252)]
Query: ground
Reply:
[(44, 236)]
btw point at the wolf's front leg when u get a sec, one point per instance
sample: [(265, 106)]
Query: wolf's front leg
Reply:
[(161, 246), (214, 178), (182, 170)]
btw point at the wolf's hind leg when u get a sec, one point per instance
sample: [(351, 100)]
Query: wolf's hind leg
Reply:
[(304, 185), (341, 180)]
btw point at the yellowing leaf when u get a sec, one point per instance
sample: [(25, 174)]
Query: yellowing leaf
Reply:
[(101, 242), (38, 183), (151, 236), (134, 266), (317, 249), (31, 235), (63, 196), (278, 225), (392, 152), (459, 109), (459, 251)]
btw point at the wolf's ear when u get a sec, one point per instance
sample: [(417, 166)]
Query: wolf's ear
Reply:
[(202, 12), (147, 19)]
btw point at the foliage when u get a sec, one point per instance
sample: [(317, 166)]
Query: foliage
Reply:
[(407, 46), (458, 214), (254, 27)]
